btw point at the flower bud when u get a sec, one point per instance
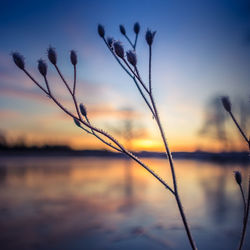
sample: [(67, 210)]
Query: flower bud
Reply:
[(226, 103), (150, 37), (101, 30), (83, 110), (110, 41), (18, 60), (122, 29), (136, 28), (42, 67), (119, 49), (237, 176), (131, 57), (52, 55), (77, 123), (73, 57)]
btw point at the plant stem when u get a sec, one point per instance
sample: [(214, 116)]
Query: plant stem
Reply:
[(132, 76), (129, 41), (63, 79), (149, 68), (98, 137), (245, 219), (169, 156), (244, 200), (136, 37), (155, 113), (238, 126), (126, 152), (74, 86)]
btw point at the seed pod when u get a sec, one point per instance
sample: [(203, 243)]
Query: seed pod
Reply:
[(77, 123), (237, 176), (226, 103), (131, 57), (110, 41), (18, 60), (42, 67), (136, 28), (83, 109), (73, 57), (52, 55), (150, 37), (119, 49), (101, 30), (122, 29)]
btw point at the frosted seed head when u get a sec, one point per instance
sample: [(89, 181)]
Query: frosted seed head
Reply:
[(237, 176), (150, 37), (131, 57), (83, 110), (136, 28), (73, 57), (226, 103), (42, 67), (101, 31), (18, 60), (52, 55), (119, 49), (122, 30)]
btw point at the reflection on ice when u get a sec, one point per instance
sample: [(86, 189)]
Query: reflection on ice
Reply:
[(100, 203)]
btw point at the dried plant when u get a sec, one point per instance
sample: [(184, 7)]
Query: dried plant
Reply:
[(128, 62), (238, 178)]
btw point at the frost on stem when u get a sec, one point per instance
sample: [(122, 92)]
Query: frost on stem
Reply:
[(226, 103), (42, 67), (52, 55), (18, 60), (119, 49), (73, 57)]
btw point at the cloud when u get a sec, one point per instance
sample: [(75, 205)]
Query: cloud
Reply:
[(8, 114)]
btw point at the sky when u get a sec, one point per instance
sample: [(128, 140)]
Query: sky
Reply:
[(201, 50)]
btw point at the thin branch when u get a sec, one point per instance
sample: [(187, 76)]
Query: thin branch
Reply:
[(117, 59), (98, 137), (244, 200), (169, 155), (126, 152), (136, 37), (63, 79), (74, 85), (238, 126), (168, 152), (149, 69), (47, 84), (132, 45), (31, 77), (133, 77), (245, 219), (144, 97), (136, 74)]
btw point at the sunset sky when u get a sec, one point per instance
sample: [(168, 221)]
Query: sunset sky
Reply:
[(201, 50)]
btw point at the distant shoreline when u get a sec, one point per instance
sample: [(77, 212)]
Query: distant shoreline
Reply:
[(67, 152)]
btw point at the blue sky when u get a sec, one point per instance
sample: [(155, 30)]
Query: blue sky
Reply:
[(201, 49)]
